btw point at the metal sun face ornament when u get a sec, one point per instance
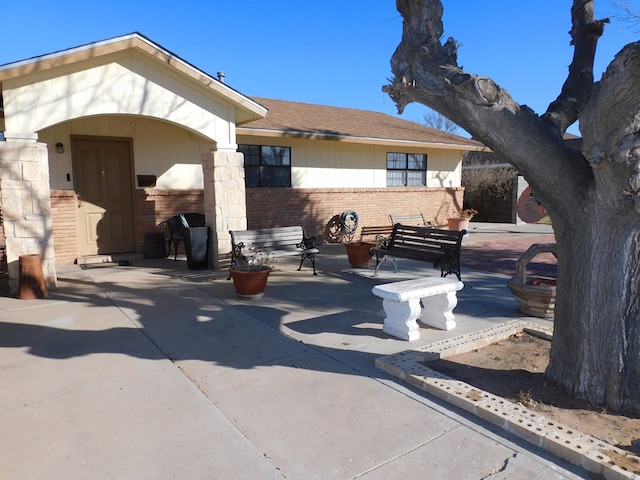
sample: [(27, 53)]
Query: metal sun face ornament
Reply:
[(529, 208)]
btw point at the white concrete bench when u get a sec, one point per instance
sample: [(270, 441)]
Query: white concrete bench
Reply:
[(401, 303)]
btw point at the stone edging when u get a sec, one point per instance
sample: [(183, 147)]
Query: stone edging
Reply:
[(576, 447)]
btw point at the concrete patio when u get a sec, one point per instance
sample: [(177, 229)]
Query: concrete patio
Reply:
[(157, 372)]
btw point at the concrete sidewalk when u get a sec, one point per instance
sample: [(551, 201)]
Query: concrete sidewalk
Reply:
[(152, 371)]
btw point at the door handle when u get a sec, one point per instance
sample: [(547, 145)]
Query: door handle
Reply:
[(80, 202)]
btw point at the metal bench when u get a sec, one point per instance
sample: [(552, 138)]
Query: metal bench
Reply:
[(381, 233), (425, 244), (409, 219), (274, 243)]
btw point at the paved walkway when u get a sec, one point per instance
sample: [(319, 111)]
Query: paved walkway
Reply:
[(155, 372)]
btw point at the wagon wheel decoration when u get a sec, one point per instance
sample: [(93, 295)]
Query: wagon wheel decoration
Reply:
[(333, 230)]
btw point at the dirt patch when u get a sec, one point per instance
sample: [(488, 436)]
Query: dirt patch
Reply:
[(514, 369)]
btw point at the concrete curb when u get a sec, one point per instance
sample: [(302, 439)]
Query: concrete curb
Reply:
[(574, 446)]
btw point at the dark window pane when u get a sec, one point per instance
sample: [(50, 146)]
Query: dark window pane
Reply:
[(417, 161), (275, 155), (396, 160), (416, 178), (275, 177), (266, 165), (396, 178), (252, 176), (251, 154)]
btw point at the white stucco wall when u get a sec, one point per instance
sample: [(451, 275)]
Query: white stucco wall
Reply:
[(127, 82), (170, 153), (325, 164)]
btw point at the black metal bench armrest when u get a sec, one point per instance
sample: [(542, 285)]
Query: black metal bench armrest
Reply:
[(383, 241), (307, 243)]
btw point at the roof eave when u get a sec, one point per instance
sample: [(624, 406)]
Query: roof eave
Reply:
[(310, 135)]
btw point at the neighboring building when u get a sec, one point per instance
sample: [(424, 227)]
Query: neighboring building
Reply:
[(492, 208), (103, 142)]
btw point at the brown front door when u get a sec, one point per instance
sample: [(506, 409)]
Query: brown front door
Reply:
[(102, 179)]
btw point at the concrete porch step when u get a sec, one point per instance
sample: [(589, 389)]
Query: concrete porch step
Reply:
[(109, 258)]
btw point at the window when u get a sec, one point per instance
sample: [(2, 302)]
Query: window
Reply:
[(266, 166), (406, 169)]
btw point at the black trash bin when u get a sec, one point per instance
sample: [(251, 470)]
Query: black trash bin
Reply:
[(196, 245)]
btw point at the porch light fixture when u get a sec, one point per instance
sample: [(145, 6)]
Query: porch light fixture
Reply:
[(59, 147)]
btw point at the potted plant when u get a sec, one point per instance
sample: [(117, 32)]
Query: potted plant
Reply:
[(250, 274), (461, 220)]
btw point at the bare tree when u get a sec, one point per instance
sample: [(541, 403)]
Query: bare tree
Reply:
[(485, 185), (592, 196), (439, 122)]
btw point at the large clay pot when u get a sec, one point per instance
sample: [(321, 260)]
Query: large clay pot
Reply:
[(458, 224), (250, 284), (31, 283), (358, 253)]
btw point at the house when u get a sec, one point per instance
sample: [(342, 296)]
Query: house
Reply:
[(489, 190), (104, 141)]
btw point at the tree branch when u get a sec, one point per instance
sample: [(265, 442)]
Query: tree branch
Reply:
[(585, 33), (426, 71)]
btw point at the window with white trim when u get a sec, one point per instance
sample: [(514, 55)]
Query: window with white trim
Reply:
[(406, 169), (266, 165)]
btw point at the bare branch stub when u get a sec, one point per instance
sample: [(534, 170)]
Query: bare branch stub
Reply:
[(585, 33), (420, 48), (426, 70)]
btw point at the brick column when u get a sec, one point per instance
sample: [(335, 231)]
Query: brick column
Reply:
[(26, 204), (224, 200)]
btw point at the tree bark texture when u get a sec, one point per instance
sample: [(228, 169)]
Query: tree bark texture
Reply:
[(592, 196)]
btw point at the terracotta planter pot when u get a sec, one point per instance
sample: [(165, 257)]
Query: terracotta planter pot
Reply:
[(250, 284), (358, 253), (31, 282), (458, 224)]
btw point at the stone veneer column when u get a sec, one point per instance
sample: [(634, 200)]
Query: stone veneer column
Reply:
[(26, 206), (224, 200)]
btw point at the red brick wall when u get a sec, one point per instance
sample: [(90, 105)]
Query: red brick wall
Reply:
[(155, 206), (314, 208), (266, 207), (63, 217)]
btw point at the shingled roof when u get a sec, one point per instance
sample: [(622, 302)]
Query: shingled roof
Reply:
[(347, 124)]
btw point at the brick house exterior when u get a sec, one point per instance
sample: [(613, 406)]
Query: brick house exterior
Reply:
[(186, 159)]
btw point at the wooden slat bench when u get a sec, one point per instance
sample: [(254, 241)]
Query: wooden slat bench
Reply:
[(380, 233), (401, 303), (425, 244), (274, 243)]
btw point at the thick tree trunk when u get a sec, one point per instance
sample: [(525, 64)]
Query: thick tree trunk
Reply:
[(595, 348), (593, 196)]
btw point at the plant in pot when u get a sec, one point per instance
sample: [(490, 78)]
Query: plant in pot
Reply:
[(250, 274), (460, 221)]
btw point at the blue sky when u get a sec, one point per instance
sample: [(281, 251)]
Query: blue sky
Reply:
[(334, 52)]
